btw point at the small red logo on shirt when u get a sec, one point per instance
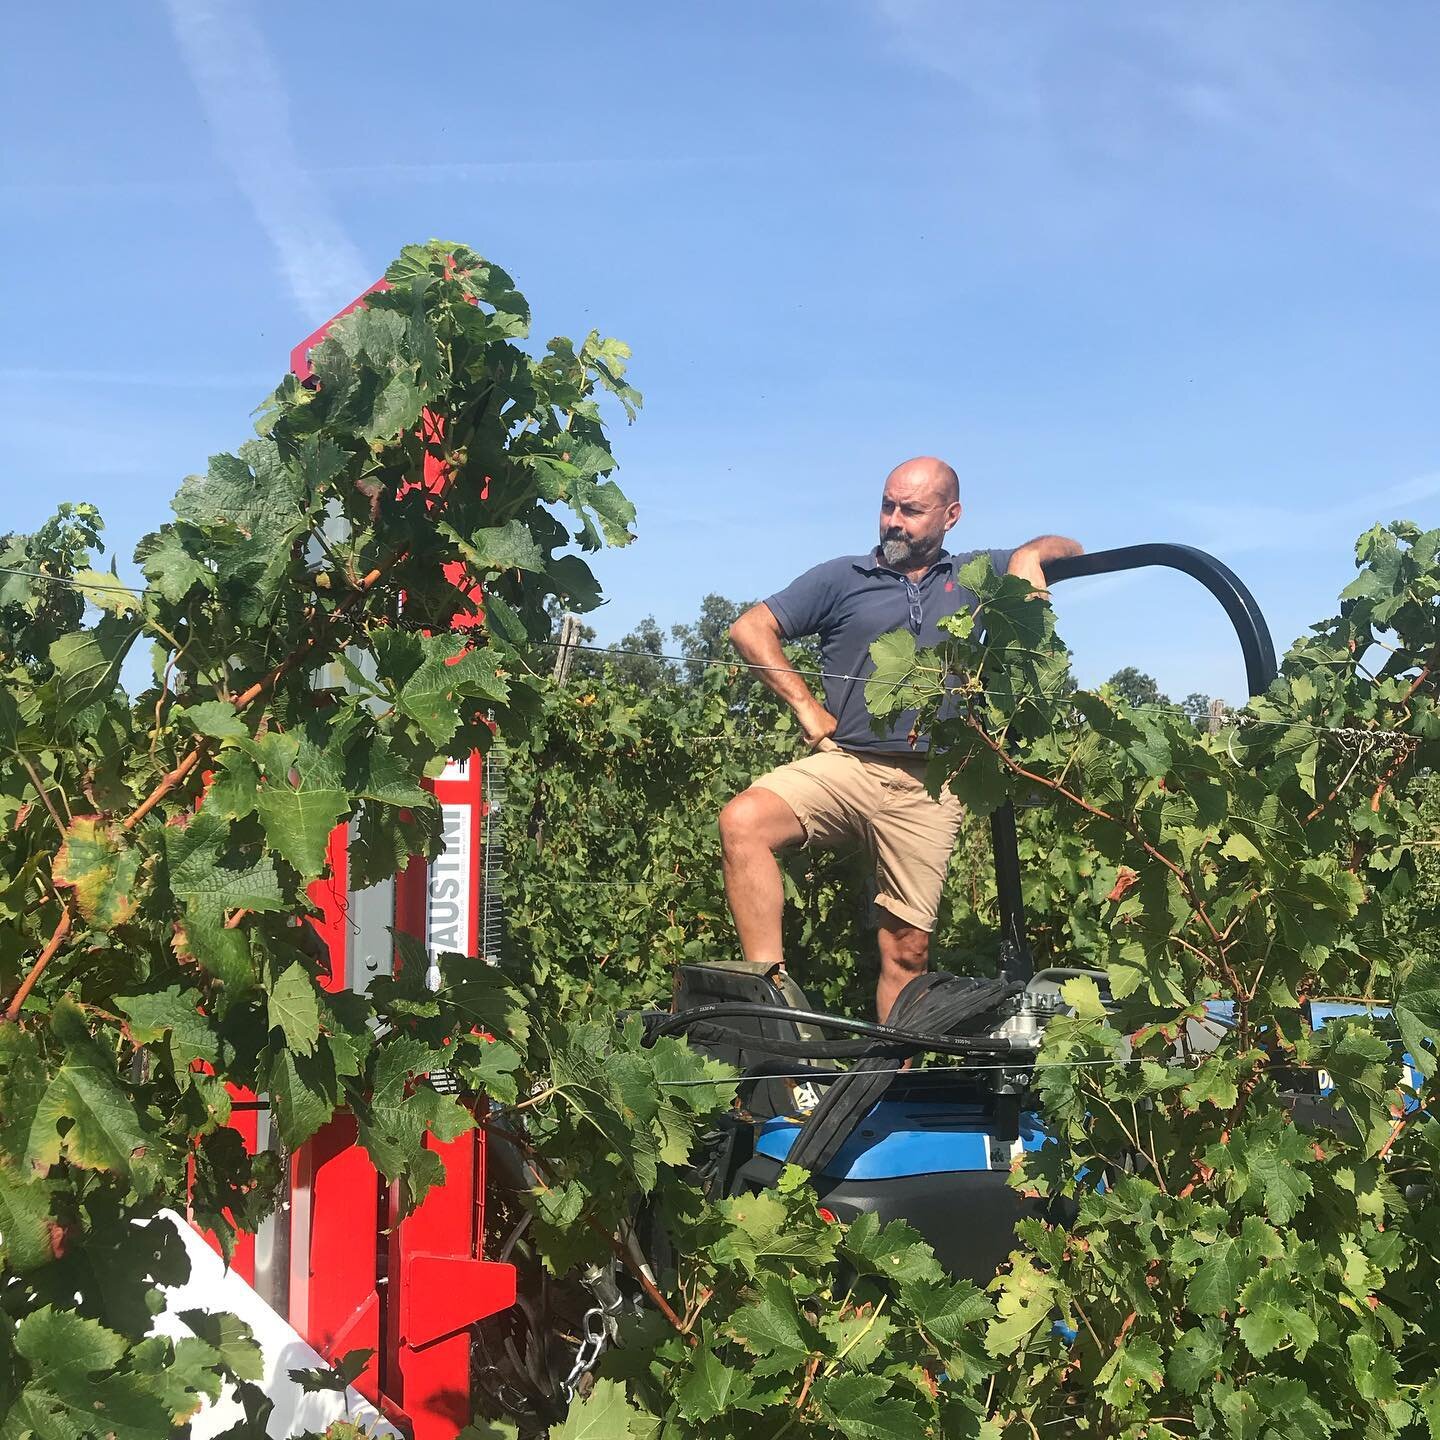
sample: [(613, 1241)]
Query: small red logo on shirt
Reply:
[(949, 584)]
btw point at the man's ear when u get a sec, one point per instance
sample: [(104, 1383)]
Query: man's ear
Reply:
[(952, 514)]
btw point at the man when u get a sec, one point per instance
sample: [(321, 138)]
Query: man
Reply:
[(859, 785)]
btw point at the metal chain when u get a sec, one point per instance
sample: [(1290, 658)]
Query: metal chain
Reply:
[(594, 1335)]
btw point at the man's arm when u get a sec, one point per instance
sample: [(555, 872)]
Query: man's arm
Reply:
[(1030, 559), (757, 637)]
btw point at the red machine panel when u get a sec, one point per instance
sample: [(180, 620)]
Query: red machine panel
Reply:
[(339, 1262)]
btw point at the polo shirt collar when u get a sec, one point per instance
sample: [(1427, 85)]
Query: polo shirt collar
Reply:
[(871, 564)]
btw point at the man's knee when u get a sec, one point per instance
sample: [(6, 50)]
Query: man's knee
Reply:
[(757, 817), (907, 947)]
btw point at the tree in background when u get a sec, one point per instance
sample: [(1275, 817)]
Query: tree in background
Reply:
[(1136, 687), (708, 639)]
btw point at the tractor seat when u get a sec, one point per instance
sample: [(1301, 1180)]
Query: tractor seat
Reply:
[(761, 1094)]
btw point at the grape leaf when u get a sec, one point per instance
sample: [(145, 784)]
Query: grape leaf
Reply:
[(404, 1108), (298, 823), (172, 1013), (771, 1328), (604, 1414), (1417, 1012), (103, 1130), (295, 1010), (101, 870), (861, 1407), (87, 664), (25, 1220), (711, 1387)]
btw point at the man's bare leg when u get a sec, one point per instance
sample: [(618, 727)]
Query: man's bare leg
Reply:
[(753, 826), (904, 954)]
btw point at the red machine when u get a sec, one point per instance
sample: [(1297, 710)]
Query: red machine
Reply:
[(337, 1261)]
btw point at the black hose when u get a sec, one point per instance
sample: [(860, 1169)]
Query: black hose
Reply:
[(894, 1037), (939, 1000)]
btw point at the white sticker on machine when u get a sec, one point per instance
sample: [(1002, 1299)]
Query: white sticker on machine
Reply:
[(447, 902)]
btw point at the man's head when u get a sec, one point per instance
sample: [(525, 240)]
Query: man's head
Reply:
[(921, 502)]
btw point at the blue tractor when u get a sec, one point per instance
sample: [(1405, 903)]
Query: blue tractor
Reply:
[(922, 1145), (835, 1095)]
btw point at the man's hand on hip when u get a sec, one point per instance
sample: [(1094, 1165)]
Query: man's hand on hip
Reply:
[(817, 724)]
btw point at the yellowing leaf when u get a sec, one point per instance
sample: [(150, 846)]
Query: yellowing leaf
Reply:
[(95, 863), (1082, 995)]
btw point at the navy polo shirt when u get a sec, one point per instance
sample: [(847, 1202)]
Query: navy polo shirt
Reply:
[(850, 603)]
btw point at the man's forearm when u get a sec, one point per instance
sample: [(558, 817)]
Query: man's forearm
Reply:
[(757, 637), (759, 645), (1030, 559), (1045, 548)]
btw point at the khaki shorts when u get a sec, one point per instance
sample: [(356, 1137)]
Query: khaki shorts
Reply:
[(838, 795)]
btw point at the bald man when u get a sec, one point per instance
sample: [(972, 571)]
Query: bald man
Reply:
[(857, 785)]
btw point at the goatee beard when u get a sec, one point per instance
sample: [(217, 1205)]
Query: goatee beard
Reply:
[(901, 553)]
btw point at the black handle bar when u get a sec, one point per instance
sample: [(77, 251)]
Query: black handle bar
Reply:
[(1219, 579)]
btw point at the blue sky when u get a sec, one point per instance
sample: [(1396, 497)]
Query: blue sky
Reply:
[(1140, 271)]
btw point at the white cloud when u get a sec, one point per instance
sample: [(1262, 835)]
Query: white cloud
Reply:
[(1295, 87), (249, 114), (1242, 527)]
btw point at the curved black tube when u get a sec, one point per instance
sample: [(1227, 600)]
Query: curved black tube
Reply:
[(936, 1044), (1219, 579)]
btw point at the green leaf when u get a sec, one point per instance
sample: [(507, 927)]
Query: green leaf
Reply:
[(1417, 1012), (711, 1387), (1195, 1360), (893, 656), (397, 409), (298, 822), (102, 588), (303, 1092), (1227, 1264), (894, 1250), (230, 1338), (573, 580), (861, 1407), (1262, 1330), (1135, 1366), (604, 1414), (216, 718), (1238, 847), (1026, 1301), (1269, 1158), (500, 547), (172, 1013), (224, 952), (758, 1231), (87, 664), (171, 569), (375, 772), (1430, 1405), (102, 1129), (253, 493), (295, 1010), (1082, 995), (73, 1378), (210, 873), (858, 1338), (771, 1328), (948, 1311), (448, 673), (1214, 1084), (403, 1109), (25, 1220)]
